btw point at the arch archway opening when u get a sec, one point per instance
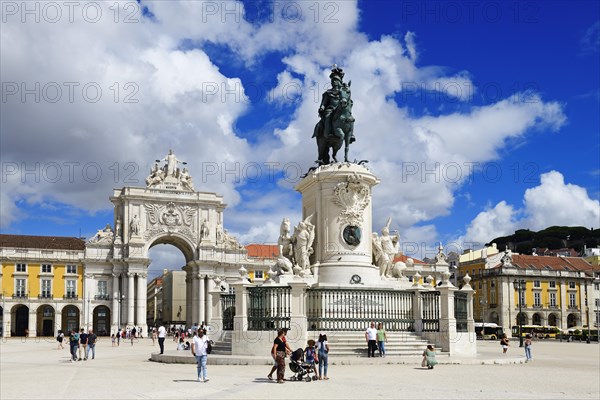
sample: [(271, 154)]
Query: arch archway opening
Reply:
[(101, 321), (553, 320), (167, 288), (20, 320), (522, 319), (70, 319), (45, 320)]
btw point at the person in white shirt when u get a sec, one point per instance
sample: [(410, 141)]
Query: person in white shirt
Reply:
[(162, 332), (371, 338), (199, 347)]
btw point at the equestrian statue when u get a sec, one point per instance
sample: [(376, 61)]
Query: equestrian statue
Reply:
[(336, 126)]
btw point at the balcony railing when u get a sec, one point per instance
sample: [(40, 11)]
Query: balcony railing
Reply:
[(45, 296), (102, 297), (20, 296), (70, 297)]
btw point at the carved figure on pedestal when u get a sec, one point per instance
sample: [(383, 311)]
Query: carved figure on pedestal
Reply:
[(286, 249), (302, 239), (186, 180), (204, 230), (219, 233), (103, 236), (172, 162), (231, 242), (157, 176), (118, 227), (390, 245), (134, 226), (378, 255)]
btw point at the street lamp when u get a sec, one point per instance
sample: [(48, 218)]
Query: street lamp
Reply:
[(120, 297), (520, 286), (587, 311)]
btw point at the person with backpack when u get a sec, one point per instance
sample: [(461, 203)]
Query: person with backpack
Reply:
[(74, 344), (60, 339), (200, 350)]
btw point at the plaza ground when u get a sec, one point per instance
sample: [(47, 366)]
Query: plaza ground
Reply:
[(35, 369)]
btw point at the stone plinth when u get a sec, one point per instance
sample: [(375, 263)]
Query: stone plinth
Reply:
[(338, 196)]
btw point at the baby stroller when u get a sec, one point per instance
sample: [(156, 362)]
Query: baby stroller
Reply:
[(302, 370)]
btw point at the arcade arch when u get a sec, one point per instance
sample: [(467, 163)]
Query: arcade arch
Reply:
[(20, 320), (45, 320)]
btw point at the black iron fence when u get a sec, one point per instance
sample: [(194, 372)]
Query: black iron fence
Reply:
[(228, 311), (430, 305), (354, 309), (269, 308), (460, 311)]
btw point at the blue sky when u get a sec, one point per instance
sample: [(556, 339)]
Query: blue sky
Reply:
[(509, 88)]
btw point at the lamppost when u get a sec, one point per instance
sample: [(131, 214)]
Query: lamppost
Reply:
[(120, 297), (520, 286), (587, 307)]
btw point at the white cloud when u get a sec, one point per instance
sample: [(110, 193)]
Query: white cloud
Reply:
[(555, 203), (491, 223), (551, 203)]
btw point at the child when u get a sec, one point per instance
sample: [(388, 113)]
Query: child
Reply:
[(113, 339), (310, 356), (180, 345), (187, 346)]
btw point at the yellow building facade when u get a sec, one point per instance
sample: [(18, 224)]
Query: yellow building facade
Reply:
[(554, 294), (42, 284)]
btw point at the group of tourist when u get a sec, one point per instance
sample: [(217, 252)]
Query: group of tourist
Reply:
[(81, 344), (505, 343), (376, 339), (315, 353)]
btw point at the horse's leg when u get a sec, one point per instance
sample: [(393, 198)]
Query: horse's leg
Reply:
[(346, 148)]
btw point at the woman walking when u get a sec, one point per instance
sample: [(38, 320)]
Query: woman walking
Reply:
[(323, 349), (527, 344), (279, 351), (381, 339), (504, 343)]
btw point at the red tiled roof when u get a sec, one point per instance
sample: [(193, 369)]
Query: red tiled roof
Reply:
[(42, 242), (553, 263), (263, 250), (403, 258)]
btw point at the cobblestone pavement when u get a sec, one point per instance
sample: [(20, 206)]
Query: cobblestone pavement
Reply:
[(35, 369)]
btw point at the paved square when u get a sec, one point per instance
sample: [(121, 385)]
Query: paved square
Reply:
[(36, 370)]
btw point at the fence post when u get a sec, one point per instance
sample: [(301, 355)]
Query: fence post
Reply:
[(447, 334), (298, 334), (215, 324), (239, 343), (469, 338)]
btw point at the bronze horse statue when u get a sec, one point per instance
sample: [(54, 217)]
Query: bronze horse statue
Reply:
[(342, 130)]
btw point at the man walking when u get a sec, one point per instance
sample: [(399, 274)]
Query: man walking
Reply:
[(83, 337), (371, 338), (162, 332), (91, 344), (199, 347)]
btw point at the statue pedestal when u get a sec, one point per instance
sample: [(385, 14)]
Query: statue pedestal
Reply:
[(339, 198)]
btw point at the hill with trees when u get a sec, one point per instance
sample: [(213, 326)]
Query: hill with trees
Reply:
[(553, 238)]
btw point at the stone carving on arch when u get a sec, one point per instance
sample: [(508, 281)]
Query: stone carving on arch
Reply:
[(171, 218)]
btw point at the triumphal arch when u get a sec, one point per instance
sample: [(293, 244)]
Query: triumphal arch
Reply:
[(167, 211)]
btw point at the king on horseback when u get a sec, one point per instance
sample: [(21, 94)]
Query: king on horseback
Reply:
[(336, 125)]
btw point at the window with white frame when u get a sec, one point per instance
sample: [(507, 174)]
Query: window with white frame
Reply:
[(537, 299), (552, 299), (71, 288), (21, 267), (46, 288), (537, 284), (572, 300), (552, 284), (258, 275), (20, 285), (71, 269), (102, 288), (522, 299), (47, 268), (571, 285)]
